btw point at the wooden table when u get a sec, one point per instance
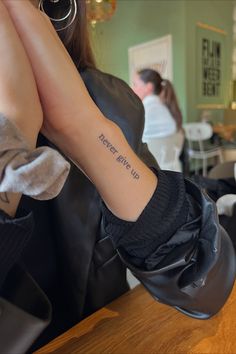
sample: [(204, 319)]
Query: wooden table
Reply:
[(137, 324)]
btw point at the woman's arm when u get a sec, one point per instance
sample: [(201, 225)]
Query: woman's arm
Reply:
[(17, 84)]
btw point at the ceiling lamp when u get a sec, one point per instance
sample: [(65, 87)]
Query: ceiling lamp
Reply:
[(100, 10)]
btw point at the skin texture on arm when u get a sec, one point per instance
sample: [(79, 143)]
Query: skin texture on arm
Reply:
[(75, 124), (15, 104), (124, 182)]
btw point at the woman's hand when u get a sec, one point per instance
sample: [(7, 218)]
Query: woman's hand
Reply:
[(62, 92), (19, 100)]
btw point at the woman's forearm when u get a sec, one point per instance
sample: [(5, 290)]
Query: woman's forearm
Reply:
[(100, 149), (9, 202)]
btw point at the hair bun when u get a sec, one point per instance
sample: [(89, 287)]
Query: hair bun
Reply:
[(163, 83)]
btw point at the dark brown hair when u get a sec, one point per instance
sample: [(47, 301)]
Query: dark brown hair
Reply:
[(76, 37), (165, 89)]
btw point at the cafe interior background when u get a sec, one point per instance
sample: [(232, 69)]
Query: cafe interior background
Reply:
[(120, 29), (137, 21)]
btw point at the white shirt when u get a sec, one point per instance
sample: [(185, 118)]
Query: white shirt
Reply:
[(158, 119)]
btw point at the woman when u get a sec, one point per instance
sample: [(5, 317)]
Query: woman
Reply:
[(158, 222), (162, 114)]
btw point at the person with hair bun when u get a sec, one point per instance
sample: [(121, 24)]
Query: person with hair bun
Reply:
[(162, 113)]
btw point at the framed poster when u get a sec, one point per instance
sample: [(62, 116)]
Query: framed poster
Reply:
[(155, 54), (210, 68)]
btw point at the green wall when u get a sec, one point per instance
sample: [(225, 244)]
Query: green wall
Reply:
[(137, 21)]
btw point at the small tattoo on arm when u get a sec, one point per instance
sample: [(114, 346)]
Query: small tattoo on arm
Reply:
[(119, 158), (4, 198)]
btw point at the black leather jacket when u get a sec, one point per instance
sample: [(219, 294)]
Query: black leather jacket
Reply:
[(72, 259)]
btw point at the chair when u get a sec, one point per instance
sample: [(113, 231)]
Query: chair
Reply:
[(197, 134), (167, 150), (226, 204)]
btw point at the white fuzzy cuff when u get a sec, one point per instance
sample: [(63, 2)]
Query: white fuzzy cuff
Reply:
[(39, 173)]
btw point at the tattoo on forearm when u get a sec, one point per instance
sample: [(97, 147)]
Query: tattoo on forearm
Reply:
[(4, 198), (119, 158)]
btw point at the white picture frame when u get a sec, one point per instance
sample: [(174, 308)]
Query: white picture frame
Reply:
[(155, 54)]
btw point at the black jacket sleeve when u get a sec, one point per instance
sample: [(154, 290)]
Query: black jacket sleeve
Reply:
[(188, 264), (24, 309), (15, 234)]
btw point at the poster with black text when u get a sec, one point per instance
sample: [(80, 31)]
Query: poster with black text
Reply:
[(210, 68)]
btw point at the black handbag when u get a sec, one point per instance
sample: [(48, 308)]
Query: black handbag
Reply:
[(25, 312)]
